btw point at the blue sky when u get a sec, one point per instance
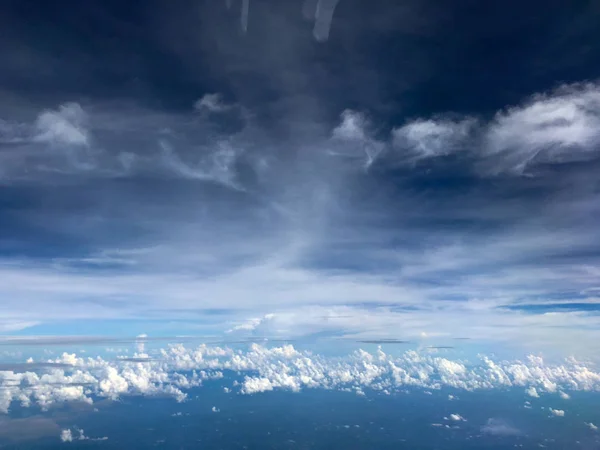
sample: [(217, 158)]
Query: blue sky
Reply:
[(379, 218), (412, 170)]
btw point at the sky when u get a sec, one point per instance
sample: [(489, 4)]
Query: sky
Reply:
[(399, 170), (332, 195)]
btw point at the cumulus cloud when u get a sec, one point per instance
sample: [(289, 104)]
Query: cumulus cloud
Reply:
[(499, 427), (218, 166), (265, 369), (66, 435), (557, 412), (63, 126), (213, 103), (591, 426)]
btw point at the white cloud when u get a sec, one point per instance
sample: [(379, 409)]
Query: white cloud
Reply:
[(499, 427), (265, 369), (591, 426), (63, 126), (218, 166), (431, 138), (215, 409), (354, 133), (556, 127), (323, 18), (141, 343), (9, 326), (532, 392), (456, 418), (66, 435), (557, 412), (564, 395), (353, 127), (213, 103)]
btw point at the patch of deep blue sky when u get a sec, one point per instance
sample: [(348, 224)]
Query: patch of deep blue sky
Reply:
[(395, 60), (465, 57)]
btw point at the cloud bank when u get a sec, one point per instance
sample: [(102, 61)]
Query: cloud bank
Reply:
[(263, 369), (457, 226)]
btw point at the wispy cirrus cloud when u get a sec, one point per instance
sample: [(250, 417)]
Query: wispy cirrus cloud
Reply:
[(295, 240)]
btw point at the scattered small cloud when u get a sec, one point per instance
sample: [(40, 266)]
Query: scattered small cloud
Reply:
[(213, 103), (67, 435), (29, 428), (499, 427), (455, 418), (557, 412), (591, 426)]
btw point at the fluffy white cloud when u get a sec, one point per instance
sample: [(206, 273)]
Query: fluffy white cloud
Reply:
[(532, 392), (591, 426), (557, 412), (265, 369)]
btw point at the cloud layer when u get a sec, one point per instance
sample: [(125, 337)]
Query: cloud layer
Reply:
[(178, 368), (455, 226)]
